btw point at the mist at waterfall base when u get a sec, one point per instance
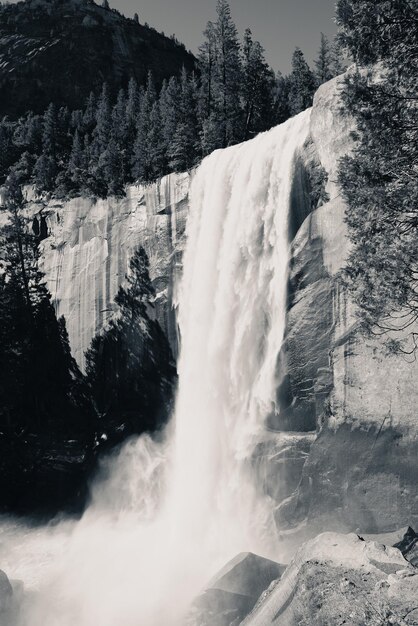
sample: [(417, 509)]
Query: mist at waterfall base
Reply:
[(165, 516)]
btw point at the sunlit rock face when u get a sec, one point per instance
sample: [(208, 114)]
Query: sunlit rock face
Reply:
[(86, 255), (359, 402), (341, 439), (340, 579)]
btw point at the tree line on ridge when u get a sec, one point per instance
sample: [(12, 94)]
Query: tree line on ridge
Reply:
[(141, 134)]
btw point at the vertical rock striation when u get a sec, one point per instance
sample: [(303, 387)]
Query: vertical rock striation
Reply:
[(341, 443), (90, 242), (360, 402)]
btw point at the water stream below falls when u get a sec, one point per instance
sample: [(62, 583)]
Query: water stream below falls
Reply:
[(170, 514)]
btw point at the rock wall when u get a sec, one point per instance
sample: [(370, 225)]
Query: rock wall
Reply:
[(358, 402), (340, 579), (90, 242), (340, 449)]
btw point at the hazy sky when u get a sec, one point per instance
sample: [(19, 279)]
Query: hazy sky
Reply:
[(280, 25)]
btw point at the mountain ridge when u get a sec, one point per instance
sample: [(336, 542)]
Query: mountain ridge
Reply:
[(61, 50)]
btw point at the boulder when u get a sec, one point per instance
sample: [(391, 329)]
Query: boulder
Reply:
[(6, 594), (341, 579), (233, 592), (408, 545)]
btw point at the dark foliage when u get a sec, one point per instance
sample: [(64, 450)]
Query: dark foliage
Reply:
[(60, 50), (43, 396), (130, 369), (143, 133), (380, 180)]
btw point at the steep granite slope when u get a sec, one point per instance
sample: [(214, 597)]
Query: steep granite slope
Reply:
[(361, 470), (86, 255), (340, 446), (39, 38)]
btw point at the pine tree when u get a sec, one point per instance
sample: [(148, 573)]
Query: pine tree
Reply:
[(44, 173), (63, 136), (89, 116), (119, 116), (183, 147), (77, 163), (129, 366), (338, 65), (258, 88), (281, 99), (220, 110), (110, 169), (132, 112), (133, 101), (323, 64), (141, 159), (207, 60), (157, 165), (228, 76), (43, 384), (45, 169), (102, 130), (49, 135), (302, 84), (119, 139), (379, 181), (23, 169), (5, 152), (170, 110)]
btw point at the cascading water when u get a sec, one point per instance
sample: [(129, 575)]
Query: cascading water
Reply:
[(171, 514)]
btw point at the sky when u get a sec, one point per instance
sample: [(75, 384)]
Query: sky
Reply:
[(280, 25)]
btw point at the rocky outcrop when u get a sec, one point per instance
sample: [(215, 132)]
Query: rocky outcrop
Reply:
[(341, 579), (359, 403), (340, 447), (11, 593), (86, 255), (332, 580), (234, 591)]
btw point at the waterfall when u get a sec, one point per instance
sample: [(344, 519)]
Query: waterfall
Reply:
[(170, 514)]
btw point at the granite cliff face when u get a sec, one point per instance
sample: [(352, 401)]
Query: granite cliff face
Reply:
[(340, 447), (360, 471), (89, 244)]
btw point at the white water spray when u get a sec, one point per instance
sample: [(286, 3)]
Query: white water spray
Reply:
[(171, 514)]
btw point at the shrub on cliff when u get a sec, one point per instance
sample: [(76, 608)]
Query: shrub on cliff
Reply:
[(380, 180)]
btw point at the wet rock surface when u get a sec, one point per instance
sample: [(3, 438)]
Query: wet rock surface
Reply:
[(231, 595), (11, 592), (360, 472), (352, 405)]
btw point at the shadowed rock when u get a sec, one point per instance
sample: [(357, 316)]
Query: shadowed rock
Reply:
[(233, 592), (408, 545)]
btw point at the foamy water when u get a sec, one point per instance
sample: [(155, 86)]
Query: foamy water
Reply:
[(170, 514)]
